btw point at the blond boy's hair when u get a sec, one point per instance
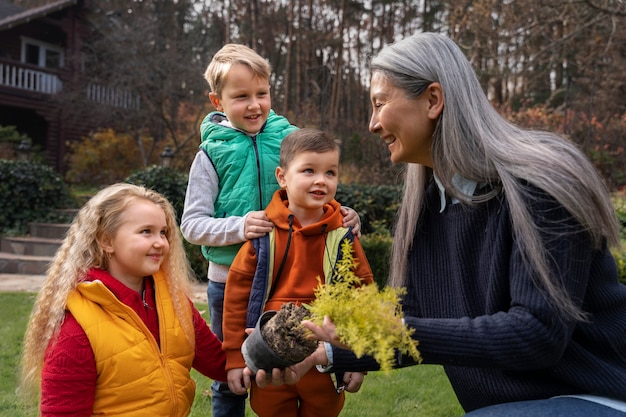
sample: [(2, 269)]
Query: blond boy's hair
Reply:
[(229, 55)]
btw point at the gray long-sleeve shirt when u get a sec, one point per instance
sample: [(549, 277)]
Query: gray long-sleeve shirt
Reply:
[(198, 224)]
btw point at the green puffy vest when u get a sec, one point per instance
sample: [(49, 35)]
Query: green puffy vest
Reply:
[(245, 166)]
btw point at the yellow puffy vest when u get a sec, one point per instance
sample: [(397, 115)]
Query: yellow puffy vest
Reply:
[(135, 377)]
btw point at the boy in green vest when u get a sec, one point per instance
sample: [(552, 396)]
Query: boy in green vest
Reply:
[(231, 179), (286, 267)]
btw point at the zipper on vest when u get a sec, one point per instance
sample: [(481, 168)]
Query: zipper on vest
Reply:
[(258, 171)]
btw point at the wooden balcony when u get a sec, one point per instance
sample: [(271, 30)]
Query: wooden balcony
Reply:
[(27, 77), (39, 80)]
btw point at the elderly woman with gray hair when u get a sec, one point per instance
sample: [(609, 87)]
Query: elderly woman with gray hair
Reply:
[(502, 243)]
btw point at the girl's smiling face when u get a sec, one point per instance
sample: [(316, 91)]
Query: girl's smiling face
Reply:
[(139, 245), (405, 124)]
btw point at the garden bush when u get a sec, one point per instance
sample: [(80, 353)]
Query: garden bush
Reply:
[(103, 158), (377, 247), (10, 139), (173, 185), (620, 253), (30, 193), (167, 181), (377, 205)]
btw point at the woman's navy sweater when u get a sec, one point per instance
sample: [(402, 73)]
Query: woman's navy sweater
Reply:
[(476, 310)]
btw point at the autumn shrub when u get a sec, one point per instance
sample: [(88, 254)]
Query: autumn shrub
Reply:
[(173, 185), (30, 193), (103, 158), (602, 141)]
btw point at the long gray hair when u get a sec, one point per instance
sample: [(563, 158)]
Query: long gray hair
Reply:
[(474, 141)]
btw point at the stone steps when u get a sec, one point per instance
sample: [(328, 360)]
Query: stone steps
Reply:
[(31, 254)]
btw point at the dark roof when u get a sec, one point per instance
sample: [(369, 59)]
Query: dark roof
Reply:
[(9, 9), (11, 15)]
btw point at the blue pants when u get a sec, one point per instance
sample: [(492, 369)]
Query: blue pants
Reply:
[(552, 407), (224, 403)]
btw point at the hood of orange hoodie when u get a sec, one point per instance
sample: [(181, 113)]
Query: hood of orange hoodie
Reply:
[(278, 212)]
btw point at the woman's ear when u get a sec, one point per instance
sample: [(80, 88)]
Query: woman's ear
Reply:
[(280, 177), (434, 92), (215, 101)]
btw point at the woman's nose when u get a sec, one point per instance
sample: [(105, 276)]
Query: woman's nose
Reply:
[(374, 126)]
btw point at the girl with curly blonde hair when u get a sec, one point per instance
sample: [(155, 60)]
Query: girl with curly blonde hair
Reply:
[(112, 329)]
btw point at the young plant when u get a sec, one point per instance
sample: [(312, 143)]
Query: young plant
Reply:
[(367, 319)]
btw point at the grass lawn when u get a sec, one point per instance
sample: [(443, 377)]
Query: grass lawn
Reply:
[(420, 391)]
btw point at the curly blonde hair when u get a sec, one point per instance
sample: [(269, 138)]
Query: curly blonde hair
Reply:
[(80, 251)]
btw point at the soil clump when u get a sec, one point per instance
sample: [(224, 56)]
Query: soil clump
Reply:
[(286, 336)]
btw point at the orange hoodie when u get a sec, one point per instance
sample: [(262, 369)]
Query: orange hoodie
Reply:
[(302, 266)]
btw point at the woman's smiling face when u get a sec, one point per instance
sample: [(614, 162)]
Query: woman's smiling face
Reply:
[(405, 124)]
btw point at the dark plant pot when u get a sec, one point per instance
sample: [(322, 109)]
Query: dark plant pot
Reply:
[(257, 353)]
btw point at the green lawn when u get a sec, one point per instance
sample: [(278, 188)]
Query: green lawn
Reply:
[(421, 391)]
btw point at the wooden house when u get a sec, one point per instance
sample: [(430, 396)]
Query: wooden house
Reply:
[(40, 60)]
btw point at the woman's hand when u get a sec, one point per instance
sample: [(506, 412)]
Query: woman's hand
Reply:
[(327, 332)]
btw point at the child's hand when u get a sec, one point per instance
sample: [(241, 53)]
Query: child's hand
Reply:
[(353, 380), (351, 218), (238, 381), (256, 224), (278, 377), (291, 374)]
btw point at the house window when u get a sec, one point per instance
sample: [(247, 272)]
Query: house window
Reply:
[(41, 54)]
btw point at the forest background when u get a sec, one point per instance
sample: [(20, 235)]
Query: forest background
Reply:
[(550, 64)]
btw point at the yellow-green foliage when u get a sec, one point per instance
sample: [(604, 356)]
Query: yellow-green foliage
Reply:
[(105, 157), (620, 259), (368, 320)]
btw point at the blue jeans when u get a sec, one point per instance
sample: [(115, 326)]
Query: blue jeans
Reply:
[(552, 407), (224, 403)]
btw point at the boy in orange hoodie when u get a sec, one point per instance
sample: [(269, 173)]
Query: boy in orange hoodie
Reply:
[(308, 228)]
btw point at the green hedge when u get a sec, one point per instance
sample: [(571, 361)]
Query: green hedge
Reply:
[(377, 205), (377, 247), (31, 192)]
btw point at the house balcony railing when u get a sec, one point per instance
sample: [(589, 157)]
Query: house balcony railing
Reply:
[(38, 80), (112, 96), (26, 78)]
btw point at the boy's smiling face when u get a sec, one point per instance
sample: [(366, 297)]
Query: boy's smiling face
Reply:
[(245, 99), (311, 180)]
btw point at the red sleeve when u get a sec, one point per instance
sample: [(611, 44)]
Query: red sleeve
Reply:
[(68, 378), (210, 359)]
